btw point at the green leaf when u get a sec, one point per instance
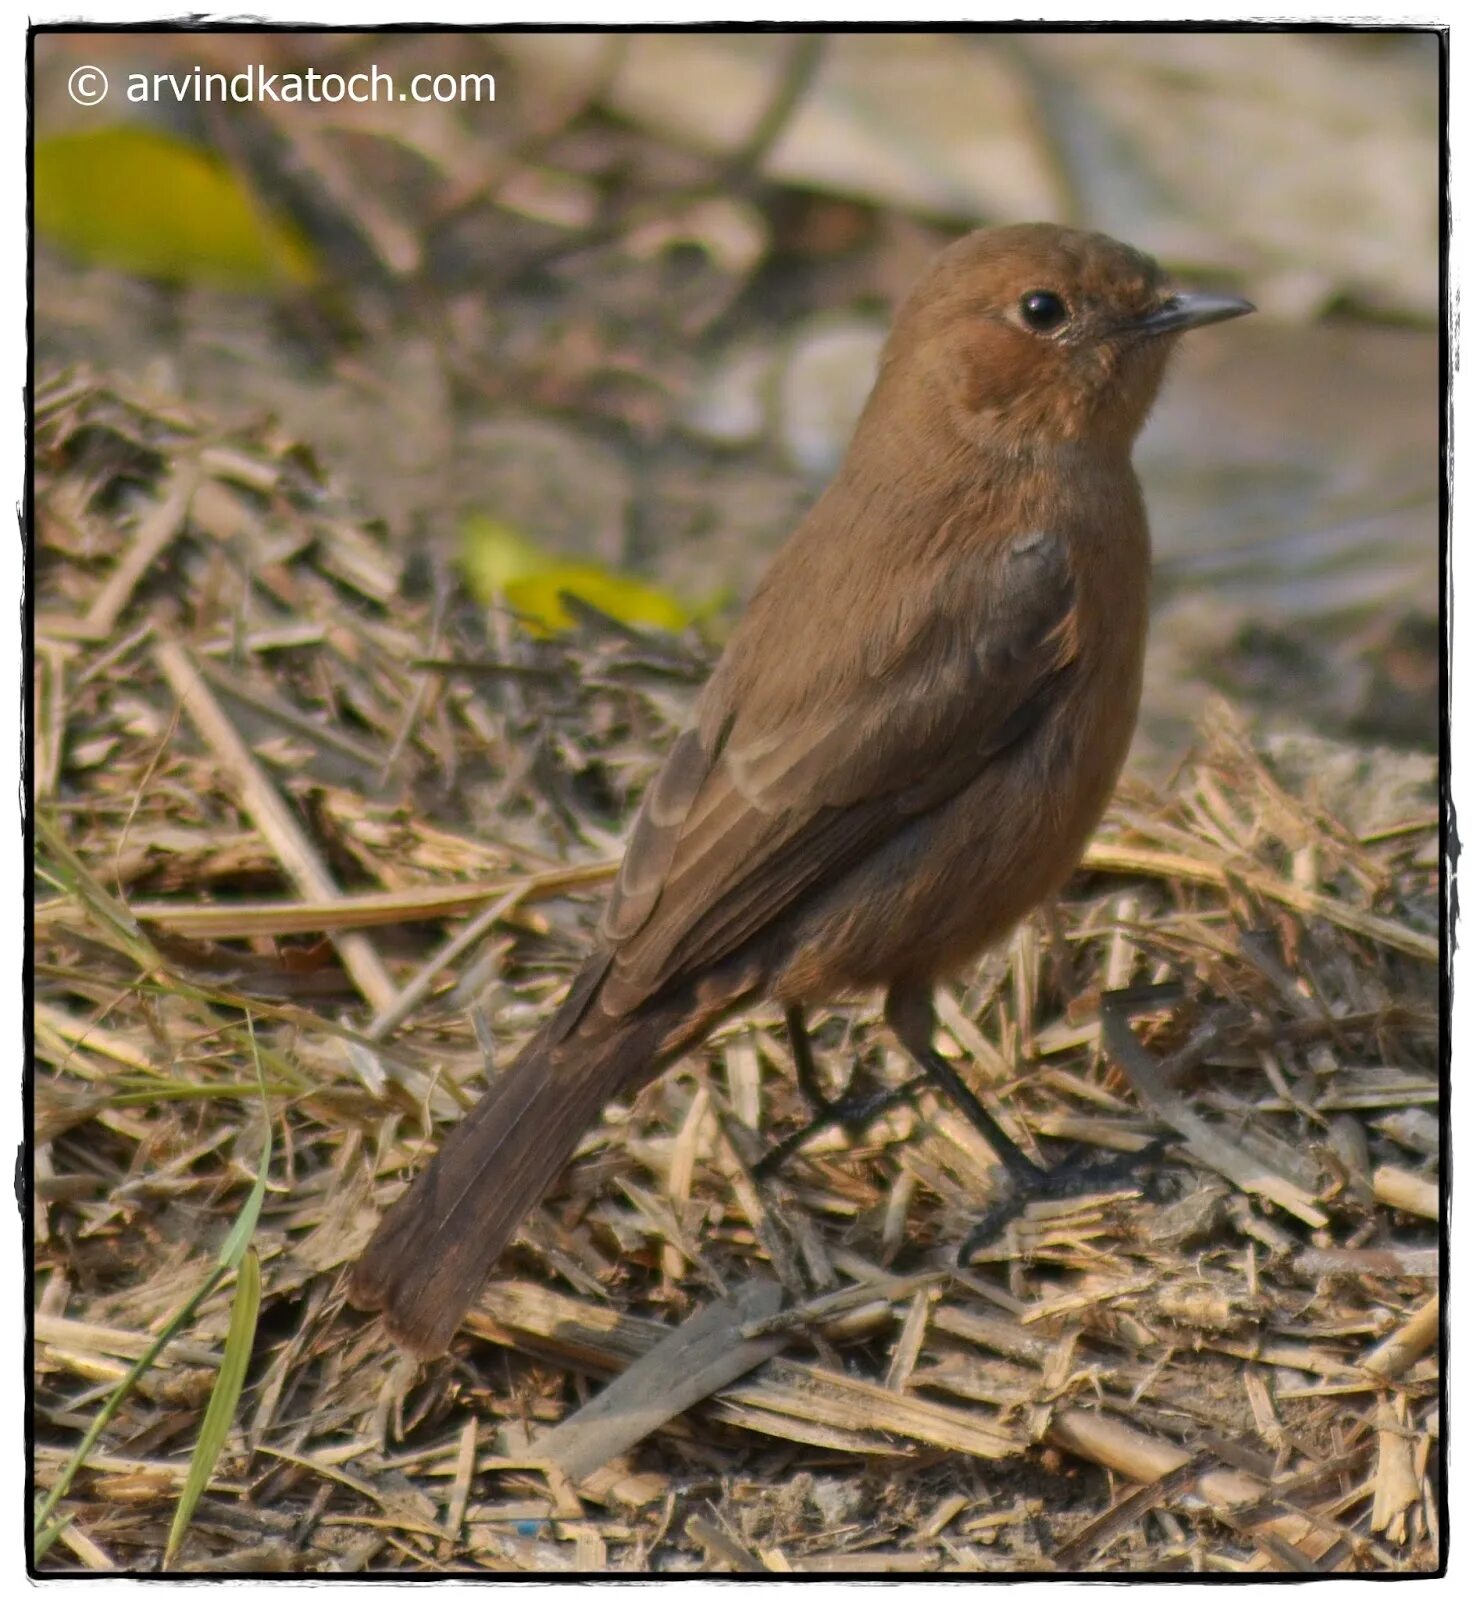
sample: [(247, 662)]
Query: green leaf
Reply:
[(220, 1413), (145, 202)]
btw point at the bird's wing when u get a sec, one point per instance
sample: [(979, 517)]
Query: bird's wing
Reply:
[(739, 824)]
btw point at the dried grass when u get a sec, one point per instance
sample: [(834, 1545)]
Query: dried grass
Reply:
[(268, 786)]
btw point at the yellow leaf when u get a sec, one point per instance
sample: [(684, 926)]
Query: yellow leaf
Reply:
[(539, 599), (144, 202), (500, 563), (493, 554)]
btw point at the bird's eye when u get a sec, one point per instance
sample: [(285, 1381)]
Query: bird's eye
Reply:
[(1043, 311)]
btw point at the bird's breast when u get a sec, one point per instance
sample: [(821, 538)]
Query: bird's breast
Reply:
[(958, 878)]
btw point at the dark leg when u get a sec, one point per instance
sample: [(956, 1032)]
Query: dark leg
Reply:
[(851, 1111), (912, 1020), (803, 1064)]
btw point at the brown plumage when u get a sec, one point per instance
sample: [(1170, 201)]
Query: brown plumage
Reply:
[(905, 746)]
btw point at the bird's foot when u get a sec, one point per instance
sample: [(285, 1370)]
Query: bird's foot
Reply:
[(852, 1112), (1083, 1171)]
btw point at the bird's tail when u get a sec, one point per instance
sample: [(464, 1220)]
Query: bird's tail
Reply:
[(436, 1246)]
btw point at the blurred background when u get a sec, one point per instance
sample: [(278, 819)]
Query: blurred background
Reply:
[(609, 331)]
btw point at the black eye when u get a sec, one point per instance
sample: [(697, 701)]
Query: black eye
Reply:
[(1042, 311)]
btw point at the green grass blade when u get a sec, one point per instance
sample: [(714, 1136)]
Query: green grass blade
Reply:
[(233, 1250), (233, 1254), (115, 1401), (48, 1537), (220, 1413)]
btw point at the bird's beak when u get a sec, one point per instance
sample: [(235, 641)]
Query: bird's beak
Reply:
[(1179, 312)]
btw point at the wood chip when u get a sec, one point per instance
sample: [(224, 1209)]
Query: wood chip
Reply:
[(703, 1355)]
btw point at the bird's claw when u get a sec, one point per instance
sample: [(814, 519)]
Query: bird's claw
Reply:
[(1080, 1172), (852, 1112)]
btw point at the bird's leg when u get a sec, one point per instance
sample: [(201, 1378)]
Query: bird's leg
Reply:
[(909, 1012), (851, 1111), (801, 1043), (912, 1020)]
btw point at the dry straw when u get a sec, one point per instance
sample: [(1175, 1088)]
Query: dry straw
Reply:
[(275, 787)]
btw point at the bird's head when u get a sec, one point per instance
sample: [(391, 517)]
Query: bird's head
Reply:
[(1040, 335)]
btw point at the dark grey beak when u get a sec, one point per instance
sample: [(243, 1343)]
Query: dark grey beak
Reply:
[(1182, 311)]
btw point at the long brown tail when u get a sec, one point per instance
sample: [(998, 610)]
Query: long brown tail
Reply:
[(437, 1244)]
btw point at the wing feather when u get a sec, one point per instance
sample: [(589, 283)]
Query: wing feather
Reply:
[(733, 832)]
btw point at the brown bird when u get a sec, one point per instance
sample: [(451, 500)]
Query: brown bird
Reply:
[(904, 748)]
